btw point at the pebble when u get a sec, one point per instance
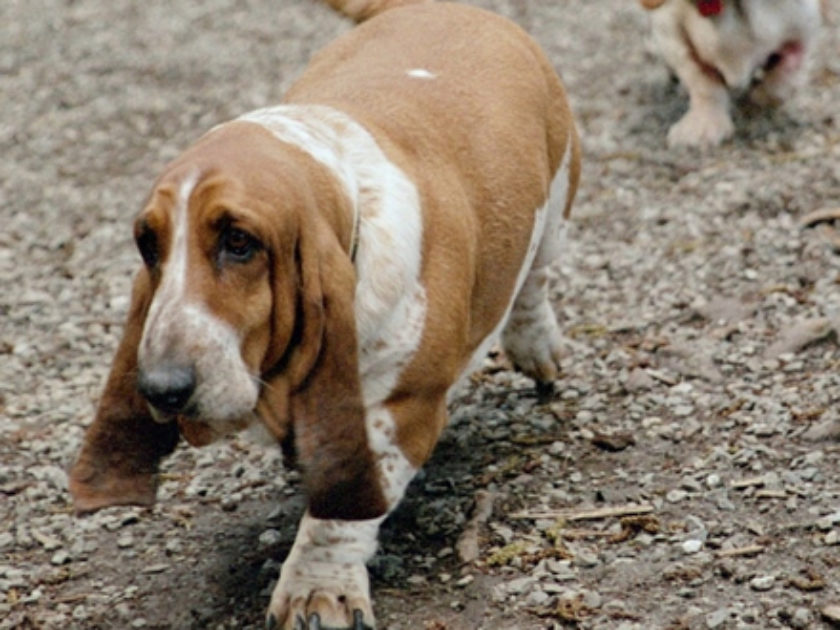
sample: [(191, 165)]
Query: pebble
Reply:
[(676, 495), (125, 541), (59, 558), (692, 546), (762, 583), (831, 612), (270, 538), (832, 537), (801, 618), (717, 618)]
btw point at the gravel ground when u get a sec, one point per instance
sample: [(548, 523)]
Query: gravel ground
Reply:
[(685, 473)]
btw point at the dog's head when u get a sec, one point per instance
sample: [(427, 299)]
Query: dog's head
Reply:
[(243, 310)]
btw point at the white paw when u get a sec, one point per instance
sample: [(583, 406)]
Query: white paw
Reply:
[(321, 596), (532, 341), (324, 582), (701, 127)]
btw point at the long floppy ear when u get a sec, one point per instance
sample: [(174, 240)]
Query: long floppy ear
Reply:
[(321, 376), (652, 4), (123, 446)]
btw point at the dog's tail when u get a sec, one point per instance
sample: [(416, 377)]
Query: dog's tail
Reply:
[(361, 10)]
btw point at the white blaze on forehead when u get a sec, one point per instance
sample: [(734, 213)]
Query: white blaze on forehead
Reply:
[(181, 329), (174, 273)]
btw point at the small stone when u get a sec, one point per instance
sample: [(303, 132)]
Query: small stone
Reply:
[(537, 598), (586, 559), (60, 557), (692, 546), (676, 495), (801, 618), (831, 612), (229, 503), (762, 583), (832, 537), (520, 585), (156, 568), (465, 581), (269, 538), (125, 541), (713, 480), (717, 618)]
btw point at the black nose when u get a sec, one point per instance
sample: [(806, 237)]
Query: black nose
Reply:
[(168, 388)]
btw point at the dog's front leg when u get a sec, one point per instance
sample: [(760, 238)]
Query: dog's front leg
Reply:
[(707, 121), (324, 581)]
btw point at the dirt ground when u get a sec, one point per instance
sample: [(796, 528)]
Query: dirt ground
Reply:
[(683, 475)]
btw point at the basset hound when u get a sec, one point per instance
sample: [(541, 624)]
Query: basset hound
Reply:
[(718, 46), (331, 266)]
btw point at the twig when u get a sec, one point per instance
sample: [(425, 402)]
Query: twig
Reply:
[(585, 515), (749, 550)]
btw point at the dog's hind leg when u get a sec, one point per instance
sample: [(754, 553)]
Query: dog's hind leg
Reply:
[(531, 337)]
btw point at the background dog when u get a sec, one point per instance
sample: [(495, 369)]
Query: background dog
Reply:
[(719, 46)]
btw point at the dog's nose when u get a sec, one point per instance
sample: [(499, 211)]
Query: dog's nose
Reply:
[(167, 388)]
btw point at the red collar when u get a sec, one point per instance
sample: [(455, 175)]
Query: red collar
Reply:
[(708, 8)]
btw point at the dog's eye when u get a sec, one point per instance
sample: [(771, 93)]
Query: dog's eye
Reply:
[(237, 245), (147, 243)]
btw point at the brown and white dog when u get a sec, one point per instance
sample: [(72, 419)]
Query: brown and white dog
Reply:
[(714, 46), (331, 266)]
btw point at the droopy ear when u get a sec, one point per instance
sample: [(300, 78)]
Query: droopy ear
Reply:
[(321, 376), (119, 458), (652, 4)]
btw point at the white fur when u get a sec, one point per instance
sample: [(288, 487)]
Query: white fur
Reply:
[(181, 330), (327, 560), (737, 44), (421, 73)]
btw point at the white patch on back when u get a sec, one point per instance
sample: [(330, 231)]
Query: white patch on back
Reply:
[(421, 73)]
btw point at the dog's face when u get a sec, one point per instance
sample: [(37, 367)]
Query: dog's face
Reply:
[(244, 310), (209, 236)]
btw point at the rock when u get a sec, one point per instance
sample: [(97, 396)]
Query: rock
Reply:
[(717, 618), (762, 583), (831, 612), (692, 546), (270, 538)]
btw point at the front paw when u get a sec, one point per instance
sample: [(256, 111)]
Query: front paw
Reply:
[(321, 596), (701, 127)]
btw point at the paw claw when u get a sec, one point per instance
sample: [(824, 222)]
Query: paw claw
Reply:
[(271, 622), (359, 621), (300, 623), (314, 622)]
